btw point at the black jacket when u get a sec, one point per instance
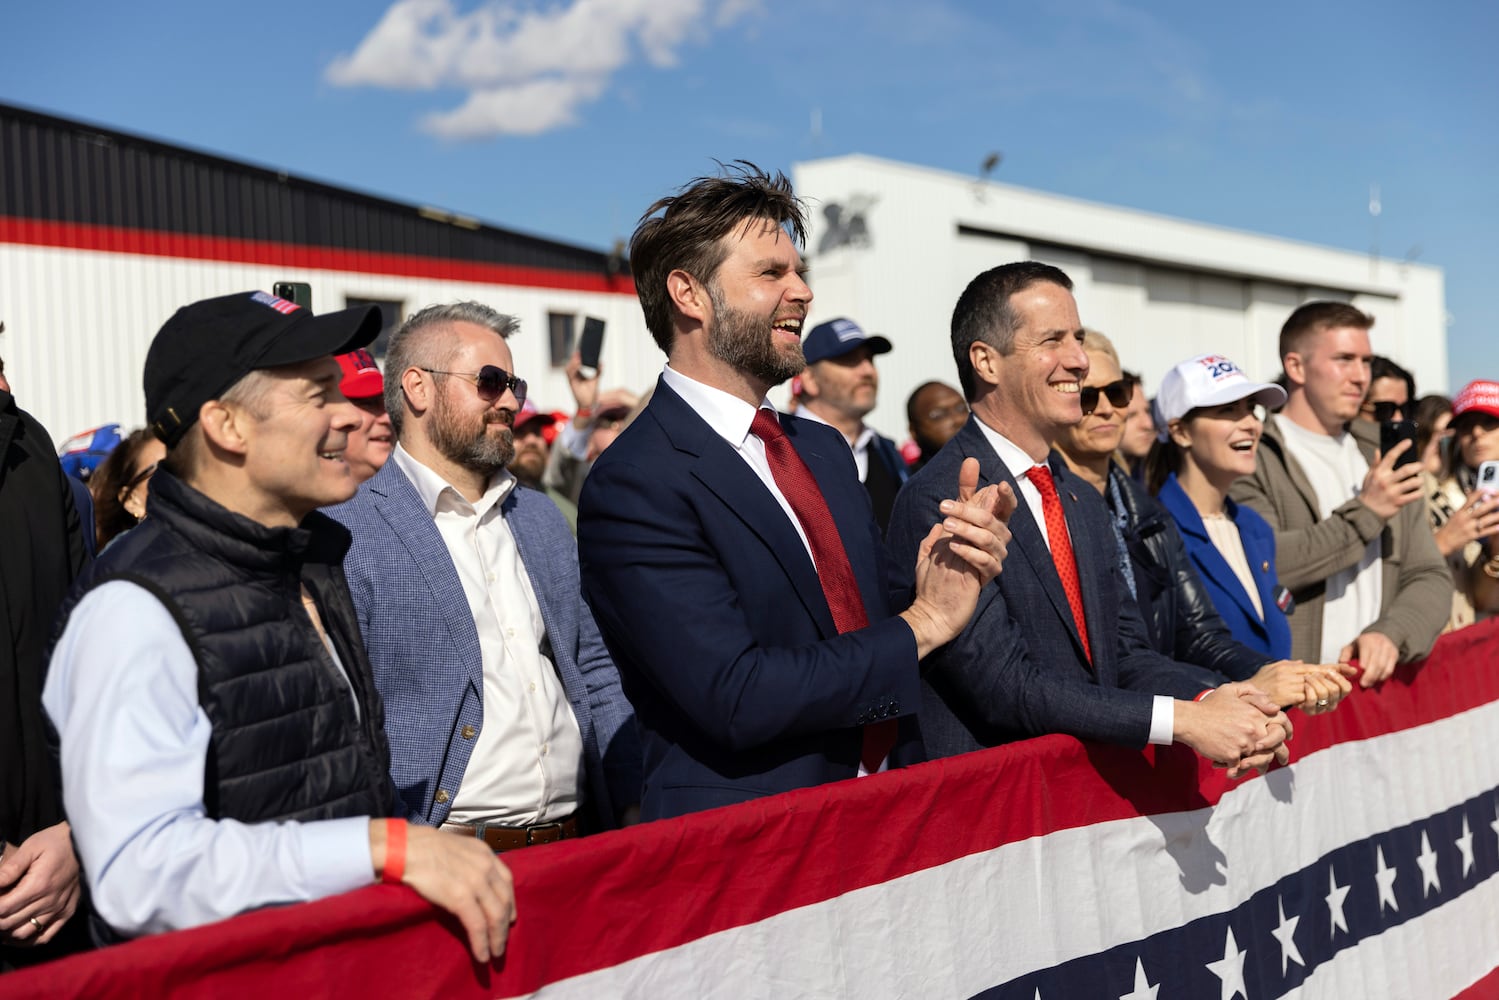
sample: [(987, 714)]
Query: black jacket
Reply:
[(41, 552), (286, 742), (1180, 616)]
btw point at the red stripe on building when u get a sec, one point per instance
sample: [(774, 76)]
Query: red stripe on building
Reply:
[(153, 243)]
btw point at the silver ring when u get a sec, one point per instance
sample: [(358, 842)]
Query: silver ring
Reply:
[(36, 923), (1321, 702)]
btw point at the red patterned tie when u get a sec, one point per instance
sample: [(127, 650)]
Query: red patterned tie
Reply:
[(1061, 548), (833, 570)]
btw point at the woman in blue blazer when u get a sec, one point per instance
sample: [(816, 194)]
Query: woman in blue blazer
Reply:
[(1209, 434)]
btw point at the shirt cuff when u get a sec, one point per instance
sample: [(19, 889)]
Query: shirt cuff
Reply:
[(1162, 720), (337, 857), (574, 440)]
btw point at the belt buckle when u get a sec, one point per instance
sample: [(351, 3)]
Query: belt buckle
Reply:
[(543, 833)]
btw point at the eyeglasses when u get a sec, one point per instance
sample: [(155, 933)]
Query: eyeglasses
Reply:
[(1386, 410), (492, 381), (1119, 394)]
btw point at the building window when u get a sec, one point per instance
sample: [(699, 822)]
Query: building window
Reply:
[(390, 318), (560, 329)]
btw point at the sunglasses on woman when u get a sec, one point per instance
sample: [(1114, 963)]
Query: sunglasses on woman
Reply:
[(1119, 394), (491, 381)]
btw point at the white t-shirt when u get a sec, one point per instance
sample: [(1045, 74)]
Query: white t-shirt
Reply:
[(1336, 469)]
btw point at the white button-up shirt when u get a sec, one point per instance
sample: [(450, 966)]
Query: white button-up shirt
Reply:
[(527, 761)]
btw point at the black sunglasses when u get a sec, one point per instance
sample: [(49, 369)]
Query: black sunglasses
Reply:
[(1119, 394), (1387, 410), (492, 381)]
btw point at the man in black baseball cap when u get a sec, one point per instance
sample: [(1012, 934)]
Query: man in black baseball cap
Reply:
[(222, 739)]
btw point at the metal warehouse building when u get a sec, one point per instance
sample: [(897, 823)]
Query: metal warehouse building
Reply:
[(103, 235), (893, 245)]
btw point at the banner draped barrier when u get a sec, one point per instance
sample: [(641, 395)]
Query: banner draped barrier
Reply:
[(1045, 869)]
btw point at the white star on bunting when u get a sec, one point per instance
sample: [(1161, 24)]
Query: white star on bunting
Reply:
[(1335, 902), (1385, 877), (1465, 846), (1143, 990), (1230, 969), (1427, 862), (1286, 935)]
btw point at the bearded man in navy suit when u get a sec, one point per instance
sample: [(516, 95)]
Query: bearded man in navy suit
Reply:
[(1056, 644), (713, 533)]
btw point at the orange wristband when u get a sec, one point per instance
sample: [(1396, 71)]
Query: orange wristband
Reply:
[(394, 868)]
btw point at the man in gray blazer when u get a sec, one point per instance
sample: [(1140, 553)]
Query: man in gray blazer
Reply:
[(504, 711), (1056, 645)]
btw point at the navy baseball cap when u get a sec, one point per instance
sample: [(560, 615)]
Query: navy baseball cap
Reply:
[(208, 346), (837, 337)]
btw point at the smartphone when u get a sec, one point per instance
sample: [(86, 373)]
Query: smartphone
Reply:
[(1391, 433), (296, 292), (590, 345), (1488, 476)]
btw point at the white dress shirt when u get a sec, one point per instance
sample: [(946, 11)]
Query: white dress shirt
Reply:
[(527, 762), (1163, 707), (859, 444), (122, 690), (730, 417)]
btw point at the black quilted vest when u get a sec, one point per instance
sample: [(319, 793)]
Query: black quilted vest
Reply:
[(286, 743)]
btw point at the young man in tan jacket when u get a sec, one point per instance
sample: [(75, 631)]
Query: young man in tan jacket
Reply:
[(1352, 542)]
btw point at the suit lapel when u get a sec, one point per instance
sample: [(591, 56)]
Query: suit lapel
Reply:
[(1201, 546), (727, 476), (411, 524), (1024, 531)]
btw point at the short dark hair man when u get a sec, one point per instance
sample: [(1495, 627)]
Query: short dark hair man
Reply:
[(1351, 537), (221, 736), (935, 411), (738, 579), (840, 387), (1056, 644)]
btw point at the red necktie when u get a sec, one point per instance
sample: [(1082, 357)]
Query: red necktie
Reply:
[(833, 570), (1061, 548)]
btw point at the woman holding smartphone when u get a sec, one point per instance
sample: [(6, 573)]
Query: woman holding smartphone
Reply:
[(1464, 513)]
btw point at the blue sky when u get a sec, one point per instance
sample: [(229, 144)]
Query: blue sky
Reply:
[(568, 118)]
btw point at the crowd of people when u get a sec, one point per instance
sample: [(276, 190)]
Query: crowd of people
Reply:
[(319, 625)]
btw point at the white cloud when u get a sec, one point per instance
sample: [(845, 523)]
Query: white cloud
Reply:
[(526, 69)]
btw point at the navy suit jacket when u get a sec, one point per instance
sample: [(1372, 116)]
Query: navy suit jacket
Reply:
[(1272, 635), (424, 647), (715, 615), (1018, 669)]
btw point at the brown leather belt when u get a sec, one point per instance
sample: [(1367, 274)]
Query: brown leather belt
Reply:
[(512, 838)]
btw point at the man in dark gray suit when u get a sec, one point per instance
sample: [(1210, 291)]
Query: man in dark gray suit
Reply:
[(504, 710), (1055, 645)]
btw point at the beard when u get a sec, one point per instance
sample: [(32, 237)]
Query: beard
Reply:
[(747, 342), (466, 440), (529, 463)]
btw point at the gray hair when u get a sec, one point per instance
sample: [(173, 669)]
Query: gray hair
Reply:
[(417, 345)]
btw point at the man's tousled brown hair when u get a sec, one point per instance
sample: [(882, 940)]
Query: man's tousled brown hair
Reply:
[(685, 232)]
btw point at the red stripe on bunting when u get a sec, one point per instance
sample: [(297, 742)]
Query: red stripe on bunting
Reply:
[(591, 904), (1486, 988), (119, 239)]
